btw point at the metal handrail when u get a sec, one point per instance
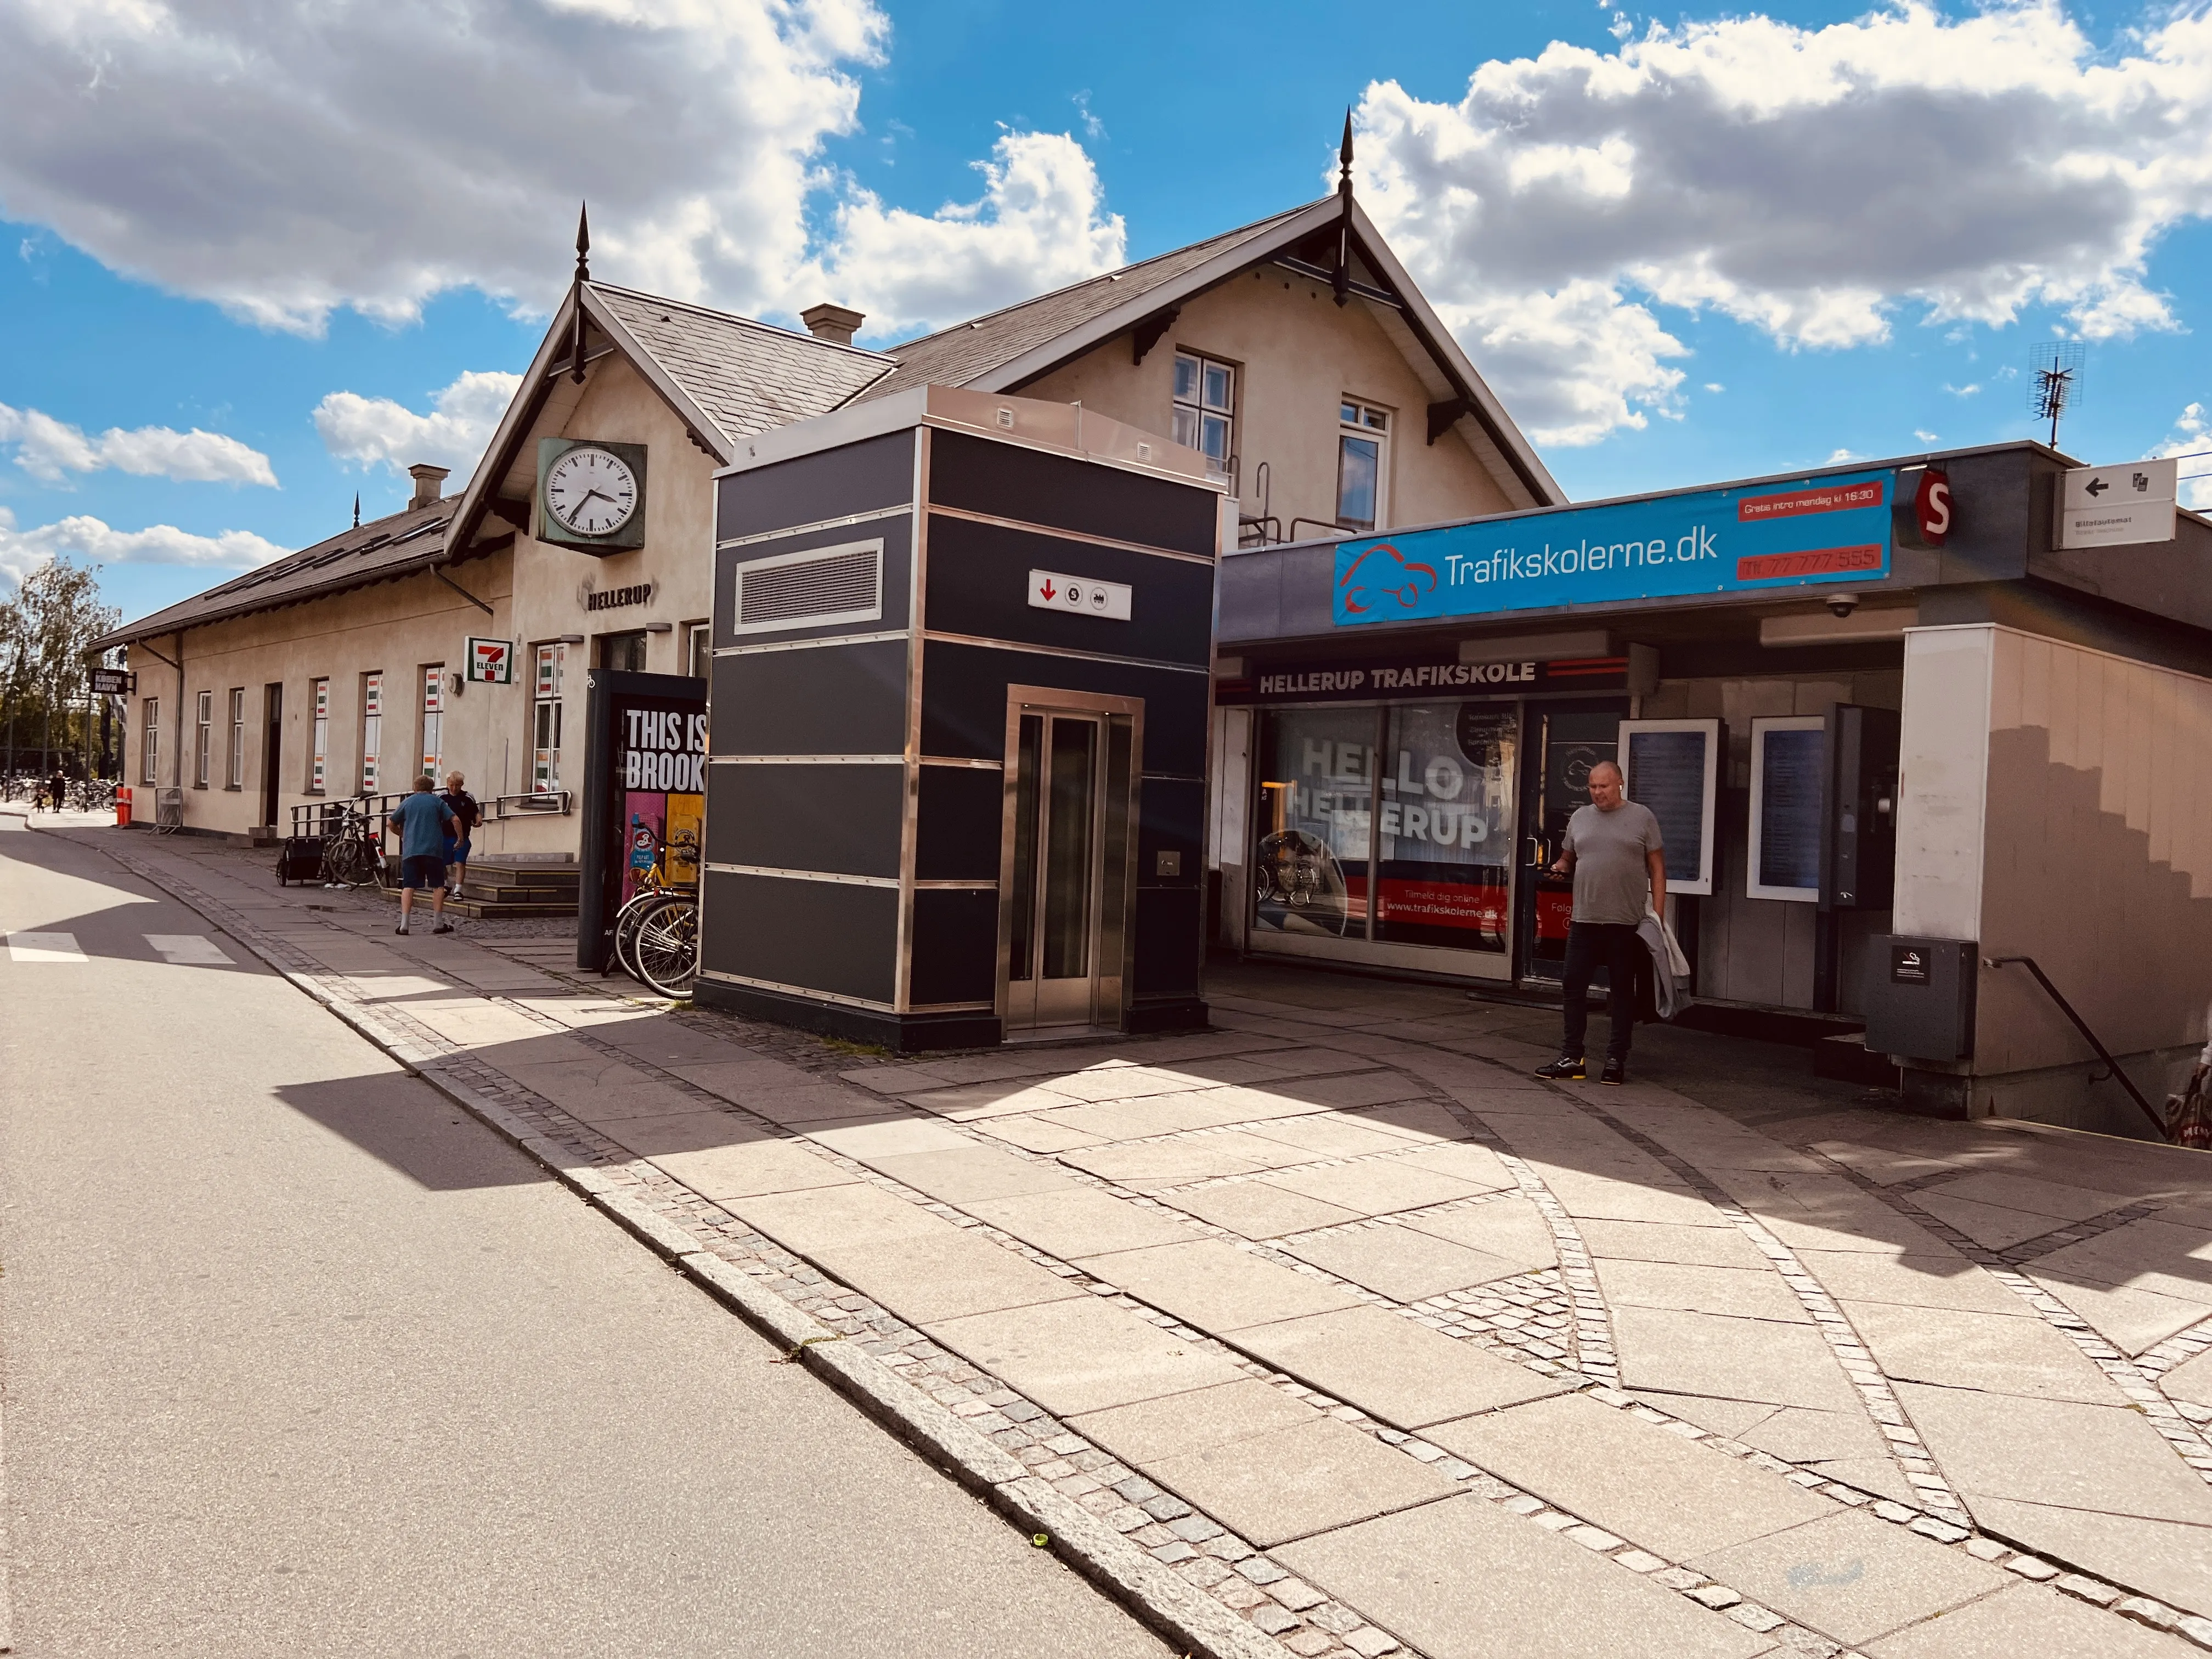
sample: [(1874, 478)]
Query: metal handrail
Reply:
[(319, 818), (2111, 1065)]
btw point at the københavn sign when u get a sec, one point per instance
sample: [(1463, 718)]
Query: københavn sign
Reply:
[(1709, 541)]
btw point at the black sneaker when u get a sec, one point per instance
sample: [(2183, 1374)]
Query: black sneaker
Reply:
[(401, 930), (447, 927), (1616, 1073), (1565, 1070)]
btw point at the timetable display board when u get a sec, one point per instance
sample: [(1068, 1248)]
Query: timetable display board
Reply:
[(1673, 767), (1789, 775)]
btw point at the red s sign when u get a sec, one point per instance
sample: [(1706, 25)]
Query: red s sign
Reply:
[(1931, 507)]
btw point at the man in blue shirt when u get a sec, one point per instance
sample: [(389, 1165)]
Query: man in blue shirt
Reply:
[(423, 820)]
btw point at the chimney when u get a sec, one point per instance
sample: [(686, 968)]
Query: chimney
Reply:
[(836, 324), (429, 485)]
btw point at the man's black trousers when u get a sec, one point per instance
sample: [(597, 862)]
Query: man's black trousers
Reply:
[(1615, 948)]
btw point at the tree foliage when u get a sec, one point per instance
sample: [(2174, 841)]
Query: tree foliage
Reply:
[(46, 630)]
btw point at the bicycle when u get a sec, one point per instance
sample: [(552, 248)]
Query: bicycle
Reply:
[(670, 911), (353, 852)]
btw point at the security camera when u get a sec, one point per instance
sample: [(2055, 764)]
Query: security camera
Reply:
[(1842, 604)]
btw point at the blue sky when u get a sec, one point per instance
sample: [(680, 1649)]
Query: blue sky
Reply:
[(1684, 321)]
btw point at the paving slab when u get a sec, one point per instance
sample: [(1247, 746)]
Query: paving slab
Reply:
[(958, 1174), (1085, 1222), (1135, 1120), (1416, 1120), (1510, 1228), (600, 1091), (733, 1076), (2056, 1452), (794, 1105), (1255, 1210), (1600, 1197), (2025, 1620), (885, 1135), (1034, 1134), (1675, 1351), (2155, 1253), (1155, 1165), (1293, 1482), (1101, 1083), (1215, 1285), (1401, 1263), (973, 1102), (1153, 1430), (1826, 1213), (2062, 1201), (1477, 1165), (1464, 1579), (2000, 1353), (1331, 1134), (942, 1276), (1376, 1088), (1879, 1164), (1401, 1372), (1744, 1292), (1990, 1225), (686, 1132), (805, 1222), (1798, 1434), (1635, 1478), (1083, 1355), (2192, 1381), (1948, 1280), (1851, 1577), (1377, 1186), (661, 1041), (2167, 1559), (2131, 1320)]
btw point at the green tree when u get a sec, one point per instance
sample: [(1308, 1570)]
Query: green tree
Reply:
[(46, 630)]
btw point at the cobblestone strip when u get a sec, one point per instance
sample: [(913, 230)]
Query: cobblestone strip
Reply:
[(2138, 1383), (1090, 1500)]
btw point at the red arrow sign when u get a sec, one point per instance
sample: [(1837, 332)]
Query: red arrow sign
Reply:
[(1049, 590)]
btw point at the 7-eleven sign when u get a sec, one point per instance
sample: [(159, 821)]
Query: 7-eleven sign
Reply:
[(491, 662)]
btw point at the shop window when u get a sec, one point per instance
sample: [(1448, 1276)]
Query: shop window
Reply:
[(1315, 807), (234, 775), (202, 738), (149, 744), (1445, 826), (1206, 407), (319, 750), (371, 732), (623, 653), (699, 649), (545, 718), (434, 716), (1362, 431)]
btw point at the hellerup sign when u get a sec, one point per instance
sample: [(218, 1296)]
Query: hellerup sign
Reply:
[(1709, 541)]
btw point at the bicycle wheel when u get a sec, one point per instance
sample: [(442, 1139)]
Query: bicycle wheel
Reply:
[(667, 948), (626, 921)]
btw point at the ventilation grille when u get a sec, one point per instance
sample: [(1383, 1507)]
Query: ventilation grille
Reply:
[(805, 590)]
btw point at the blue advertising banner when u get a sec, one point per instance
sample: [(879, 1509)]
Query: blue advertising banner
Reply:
[(1709, 541)]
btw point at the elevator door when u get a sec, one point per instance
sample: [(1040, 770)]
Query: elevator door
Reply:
[(1067, 880)]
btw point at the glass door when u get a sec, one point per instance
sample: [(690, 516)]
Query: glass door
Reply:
[(1066, 884), (1565, 742)]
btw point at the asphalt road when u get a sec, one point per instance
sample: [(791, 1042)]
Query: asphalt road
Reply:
[(299, 1360)]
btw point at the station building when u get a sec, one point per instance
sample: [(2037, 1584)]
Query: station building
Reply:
[(1896, 738)]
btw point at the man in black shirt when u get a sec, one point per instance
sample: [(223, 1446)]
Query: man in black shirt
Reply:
[(466, 815)]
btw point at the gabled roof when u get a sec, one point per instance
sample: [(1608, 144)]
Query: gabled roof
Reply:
[(395, 545)]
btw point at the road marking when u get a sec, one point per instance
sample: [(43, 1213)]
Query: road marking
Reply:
[(190, 950), (43, 947)]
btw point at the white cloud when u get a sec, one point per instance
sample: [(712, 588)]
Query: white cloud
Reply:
[(88, 538), (1714, 386), (378, 430), (1924, 437), (1841, 457), (2191, 436), (1814, 182), (285, 161), (1039, 224), (1966, 391), (49, 450)]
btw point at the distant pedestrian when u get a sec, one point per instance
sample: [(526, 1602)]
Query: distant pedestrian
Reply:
[(466, 816), (423, 820), (57, 792), (1613, 850)]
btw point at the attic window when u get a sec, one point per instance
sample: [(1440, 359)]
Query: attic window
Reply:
[(816, 588)]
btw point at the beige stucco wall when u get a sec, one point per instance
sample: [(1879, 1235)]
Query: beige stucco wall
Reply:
[(400, 627), (1298, 355)]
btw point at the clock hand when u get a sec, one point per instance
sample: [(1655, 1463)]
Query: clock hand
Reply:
[(601, 493)]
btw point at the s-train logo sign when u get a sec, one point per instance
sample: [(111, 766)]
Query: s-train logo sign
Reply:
[(1707, 540)]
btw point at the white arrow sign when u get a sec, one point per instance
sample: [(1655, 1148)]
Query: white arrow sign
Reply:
[(2117, 506)]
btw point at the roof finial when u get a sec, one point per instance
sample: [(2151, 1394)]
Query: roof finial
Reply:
[(356, 509), (576, 300), (584, 239), (1341, 280)]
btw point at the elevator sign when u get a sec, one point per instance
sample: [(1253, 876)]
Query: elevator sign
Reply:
[(1050, 590), (1773, 535)]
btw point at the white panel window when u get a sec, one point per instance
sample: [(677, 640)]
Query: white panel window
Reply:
[(202, 738), (236, 777), (372, 731), (319, 753), (1206, 407), (1362, 431), (545, 718), (150, 745), (699, 650), (434, 716)]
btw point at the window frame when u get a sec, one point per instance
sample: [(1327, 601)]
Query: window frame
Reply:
[(203, 737), (430, 727), (1201, 410), (548, 660), (234, 771), (1359, 420), (149, 742), (318, 744), (372, 731), (699, 648)]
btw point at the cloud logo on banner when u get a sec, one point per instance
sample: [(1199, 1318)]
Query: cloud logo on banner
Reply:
[(1414, 581)]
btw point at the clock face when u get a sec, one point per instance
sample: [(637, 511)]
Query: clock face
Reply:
[(590, 492)]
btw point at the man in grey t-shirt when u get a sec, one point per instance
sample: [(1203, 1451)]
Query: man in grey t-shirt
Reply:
[(1613, 849)]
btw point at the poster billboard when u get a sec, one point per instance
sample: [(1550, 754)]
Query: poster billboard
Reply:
[(644, 795)]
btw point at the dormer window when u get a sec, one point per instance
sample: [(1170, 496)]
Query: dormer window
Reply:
[(1206, 407)]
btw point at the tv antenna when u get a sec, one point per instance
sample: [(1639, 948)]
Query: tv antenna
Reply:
[(2054, 381)]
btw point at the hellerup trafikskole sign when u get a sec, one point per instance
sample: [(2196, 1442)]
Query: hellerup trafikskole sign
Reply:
[(1709, 541)]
